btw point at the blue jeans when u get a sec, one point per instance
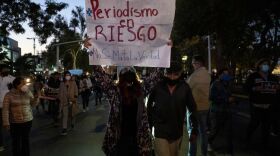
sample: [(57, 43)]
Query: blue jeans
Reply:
[(202, 127)]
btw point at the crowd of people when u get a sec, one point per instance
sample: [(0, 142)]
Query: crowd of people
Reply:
[(137, 127), (56, 96)]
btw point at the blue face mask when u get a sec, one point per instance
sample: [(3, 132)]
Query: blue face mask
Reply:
[(265, 68), (225, 77)]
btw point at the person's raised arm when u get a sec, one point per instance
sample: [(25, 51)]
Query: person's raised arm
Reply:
[(150, 81), (106, 84), (34, 99)]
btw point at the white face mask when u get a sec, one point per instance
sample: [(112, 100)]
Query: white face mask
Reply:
[(67, 78), (24, 88)]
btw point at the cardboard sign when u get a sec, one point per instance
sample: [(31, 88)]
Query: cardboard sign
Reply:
[(130, 32)]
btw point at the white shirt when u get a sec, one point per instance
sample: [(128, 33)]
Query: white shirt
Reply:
[(89, 84), (4, 81)]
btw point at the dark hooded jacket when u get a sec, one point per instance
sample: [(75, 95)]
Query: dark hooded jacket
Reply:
[(167, 111)]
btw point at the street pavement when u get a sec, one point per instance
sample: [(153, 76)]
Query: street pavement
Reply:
[(86, 137)]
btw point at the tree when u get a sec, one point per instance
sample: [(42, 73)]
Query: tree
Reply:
[(225, 21), (192, 46), (239, 29), (3, 54), (72, 55), (25, 65), (14, 13), (265, 28), (78, 20), (3, 57)]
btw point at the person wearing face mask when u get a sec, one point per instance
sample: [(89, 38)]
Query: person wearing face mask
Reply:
[(263, 88), (68, 94), (5, 81), (220, 109), (17, 115), (199, 82), (167, 105)]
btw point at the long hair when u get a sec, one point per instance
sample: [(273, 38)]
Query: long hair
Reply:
[(130, 87)]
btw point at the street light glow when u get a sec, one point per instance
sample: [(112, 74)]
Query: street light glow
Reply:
[(27, 80), (184, 58)]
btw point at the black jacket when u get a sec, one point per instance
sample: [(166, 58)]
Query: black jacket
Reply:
[(167, 111), (261, 90)]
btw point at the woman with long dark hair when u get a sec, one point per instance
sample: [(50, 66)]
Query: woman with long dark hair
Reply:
[(128, 132)]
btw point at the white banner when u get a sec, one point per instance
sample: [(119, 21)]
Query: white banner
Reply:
[(130, 32)]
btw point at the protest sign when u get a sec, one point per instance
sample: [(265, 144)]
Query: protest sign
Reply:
[(130, 32)]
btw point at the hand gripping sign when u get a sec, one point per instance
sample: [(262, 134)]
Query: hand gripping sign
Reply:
[(129, 32)]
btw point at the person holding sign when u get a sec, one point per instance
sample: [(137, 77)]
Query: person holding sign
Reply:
[(166, 111), (127, 132)]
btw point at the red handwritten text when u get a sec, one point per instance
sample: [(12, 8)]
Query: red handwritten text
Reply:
[(117, 12)]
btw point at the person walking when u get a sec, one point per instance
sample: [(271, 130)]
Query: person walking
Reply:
[(262, 88), (167, 105), (85, 90), (220, 110), (38, 86), (127, 132), (5, 81), (17, 115), (199, 82), (68, 94), (98, 90), (52, 90)]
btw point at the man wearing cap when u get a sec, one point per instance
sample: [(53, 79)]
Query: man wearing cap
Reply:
[(5, 80), (166, 111), (199, 82)]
